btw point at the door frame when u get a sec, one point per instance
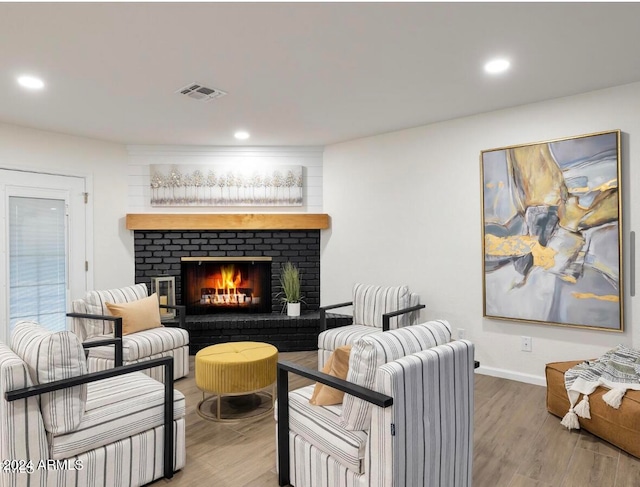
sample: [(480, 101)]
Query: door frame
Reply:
[(4, 247)]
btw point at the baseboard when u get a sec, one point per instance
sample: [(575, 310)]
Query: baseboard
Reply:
[(511, 375)]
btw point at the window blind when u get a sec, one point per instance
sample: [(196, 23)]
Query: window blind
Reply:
[(37, 262)]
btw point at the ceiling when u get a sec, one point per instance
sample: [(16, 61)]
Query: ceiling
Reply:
[(298, 73)]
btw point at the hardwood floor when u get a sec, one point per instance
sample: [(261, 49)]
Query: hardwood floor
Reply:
[(516, 443)]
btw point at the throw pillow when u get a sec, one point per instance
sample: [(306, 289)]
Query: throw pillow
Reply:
[(139, 315), (371, 302), (94, 303), (52, 356), (336, 366), (372, 351)]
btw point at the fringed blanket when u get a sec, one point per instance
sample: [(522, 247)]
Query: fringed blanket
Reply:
[(618, 370)]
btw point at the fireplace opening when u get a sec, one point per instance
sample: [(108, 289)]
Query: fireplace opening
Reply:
[(213, 285)]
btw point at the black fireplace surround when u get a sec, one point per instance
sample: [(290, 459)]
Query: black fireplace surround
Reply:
[(160, 253)]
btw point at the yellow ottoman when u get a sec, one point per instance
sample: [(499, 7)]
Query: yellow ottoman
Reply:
[(235, 369)]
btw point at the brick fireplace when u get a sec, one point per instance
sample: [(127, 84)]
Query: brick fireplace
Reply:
[(160, 253), (164, 241)]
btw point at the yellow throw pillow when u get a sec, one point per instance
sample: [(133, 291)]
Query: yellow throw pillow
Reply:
[(337, 366), (139, 315)]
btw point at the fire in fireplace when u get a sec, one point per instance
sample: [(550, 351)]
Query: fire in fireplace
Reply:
[(226, 284)]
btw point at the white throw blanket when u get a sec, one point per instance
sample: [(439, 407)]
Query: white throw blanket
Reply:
[(618, 370)]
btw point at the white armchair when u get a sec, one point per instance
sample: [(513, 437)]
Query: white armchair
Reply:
[(93, 321), (406, 421), (375, 308), (60, 425)]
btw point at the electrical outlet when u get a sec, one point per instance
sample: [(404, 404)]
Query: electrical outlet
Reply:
[(462, 333), (525, 344)]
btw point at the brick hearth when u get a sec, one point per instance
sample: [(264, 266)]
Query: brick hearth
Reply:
[(287, 334)]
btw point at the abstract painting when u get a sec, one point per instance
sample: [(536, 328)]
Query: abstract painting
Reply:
[(551, 234), (221, 185)]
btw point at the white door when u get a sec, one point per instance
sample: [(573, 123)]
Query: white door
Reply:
[(43, 247)]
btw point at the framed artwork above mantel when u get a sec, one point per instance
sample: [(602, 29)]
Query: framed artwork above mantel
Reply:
[(552, 232), (225, 185)]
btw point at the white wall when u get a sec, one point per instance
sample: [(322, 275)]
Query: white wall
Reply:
[(104, 163), (406, 208), (140, 157)]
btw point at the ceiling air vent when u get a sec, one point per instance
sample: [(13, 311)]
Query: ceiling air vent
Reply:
[(200, 93)]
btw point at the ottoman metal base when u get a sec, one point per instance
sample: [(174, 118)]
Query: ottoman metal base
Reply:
[(229, 408)]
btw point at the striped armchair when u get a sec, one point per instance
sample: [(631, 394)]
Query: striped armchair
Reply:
[(406, 421), (92, 321), (375, 308), (61, 426)]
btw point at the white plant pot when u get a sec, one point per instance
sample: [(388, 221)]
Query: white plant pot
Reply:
[(293, 309)]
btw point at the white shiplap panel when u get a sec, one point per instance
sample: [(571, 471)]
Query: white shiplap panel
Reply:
[(313, 180), (313, 171), (314, 204), (140, 180), (137, 169), (313, 191)]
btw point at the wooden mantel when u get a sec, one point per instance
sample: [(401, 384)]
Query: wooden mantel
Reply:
[(227, 221)]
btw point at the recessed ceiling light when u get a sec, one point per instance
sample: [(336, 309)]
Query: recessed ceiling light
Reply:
[(241, 135), (497, 66), (31, 82)]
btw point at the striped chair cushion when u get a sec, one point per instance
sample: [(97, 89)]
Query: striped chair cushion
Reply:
[(117, 408), (94, 303), (371, 302), (372, 351), (22, 432), (130, 462), (312, 467), (320, 426), (180, 363), (433, 389), (329, 340), (413, 317), (144, 343), (50, 357)]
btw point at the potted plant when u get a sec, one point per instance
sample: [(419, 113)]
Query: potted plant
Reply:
[(290, 282)]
